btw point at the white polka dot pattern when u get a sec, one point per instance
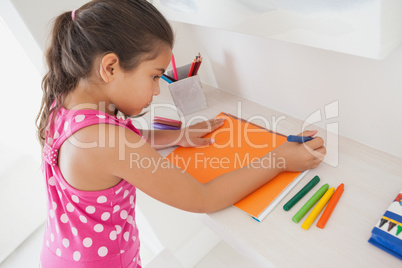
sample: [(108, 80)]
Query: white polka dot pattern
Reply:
[(87, 242), (113, 235), (86, 226), (76, 256), (105, 216), (101, 199), (116, 208), (74, 231), (98, 228), (102, 251), (50, 154), (64, 218), (90, 209), (83, 219), (79, 118), (75, 199), (51, 181), (70, 207), (65, 242), (123, 214)]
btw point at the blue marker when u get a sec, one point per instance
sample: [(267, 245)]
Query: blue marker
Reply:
[(166, 79), (300, 139)]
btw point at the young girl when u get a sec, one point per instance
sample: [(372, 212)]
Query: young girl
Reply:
[(104, 57)]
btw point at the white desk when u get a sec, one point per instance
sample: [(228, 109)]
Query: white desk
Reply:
[(372, 179)]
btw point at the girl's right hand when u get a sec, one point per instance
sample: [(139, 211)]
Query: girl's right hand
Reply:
[(301, 156)]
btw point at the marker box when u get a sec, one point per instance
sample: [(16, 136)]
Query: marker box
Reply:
[(187, 92)]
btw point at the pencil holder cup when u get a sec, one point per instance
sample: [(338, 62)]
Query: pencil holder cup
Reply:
[(187, 92)]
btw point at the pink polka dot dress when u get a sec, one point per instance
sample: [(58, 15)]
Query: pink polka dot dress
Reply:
[(86, 228)]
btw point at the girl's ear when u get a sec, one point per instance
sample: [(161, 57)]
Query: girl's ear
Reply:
[(108, 65)]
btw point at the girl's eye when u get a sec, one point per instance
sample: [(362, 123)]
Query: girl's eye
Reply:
[(155, 77)]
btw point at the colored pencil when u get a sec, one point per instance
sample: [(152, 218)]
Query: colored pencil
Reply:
[(164, 77), (197, 66), (331, 206), (174, 68), (170, 78), (163, 127), (167, 121), (190, 72), (317, 209)]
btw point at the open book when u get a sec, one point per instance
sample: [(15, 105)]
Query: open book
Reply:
[(387, 234), (239, 143)]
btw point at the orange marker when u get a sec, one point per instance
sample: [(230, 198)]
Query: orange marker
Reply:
[(330, 207)]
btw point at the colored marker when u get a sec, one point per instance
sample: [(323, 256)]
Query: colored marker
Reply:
[(317, 209), (331, 206), (301, 193), (301, 139), (310, 203), (166, 79), (174, 68)]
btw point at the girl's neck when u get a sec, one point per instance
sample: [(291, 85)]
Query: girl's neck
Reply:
[(88, 96)]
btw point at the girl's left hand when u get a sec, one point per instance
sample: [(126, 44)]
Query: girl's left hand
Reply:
[(193, 135)]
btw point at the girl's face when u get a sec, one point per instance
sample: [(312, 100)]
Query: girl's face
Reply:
[(133, 91)]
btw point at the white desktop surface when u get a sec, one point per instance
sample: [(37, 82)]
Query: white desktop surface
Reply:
[(372, 180)]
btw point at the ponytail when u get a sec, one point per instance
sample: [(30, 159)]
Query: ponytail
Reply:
[(58, 81)]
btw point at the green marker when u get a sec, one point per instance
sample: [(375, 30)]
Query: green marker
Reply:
[(296, 218), (301, 193)]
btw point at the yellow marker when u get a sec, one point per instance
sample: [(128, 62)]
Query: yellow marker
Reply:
[(318, 208)]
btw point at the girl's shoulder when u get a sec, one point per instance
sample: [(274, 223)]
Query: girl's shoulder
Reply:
[(67, 122)]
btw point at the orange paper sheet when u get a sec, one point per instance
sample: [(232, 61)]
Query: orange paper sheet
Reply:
[(237, 144)]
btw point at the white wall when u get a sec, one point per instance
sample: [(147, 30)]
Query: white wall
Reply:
[(38, 15), (297, 80), (22, 196)]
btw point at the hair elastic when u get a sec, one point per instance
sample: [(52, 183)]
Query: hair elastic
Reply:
[(73, 14)]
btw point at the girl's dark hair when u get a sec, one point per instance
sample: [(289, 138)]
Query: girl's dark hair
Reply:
[(132, 29)]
